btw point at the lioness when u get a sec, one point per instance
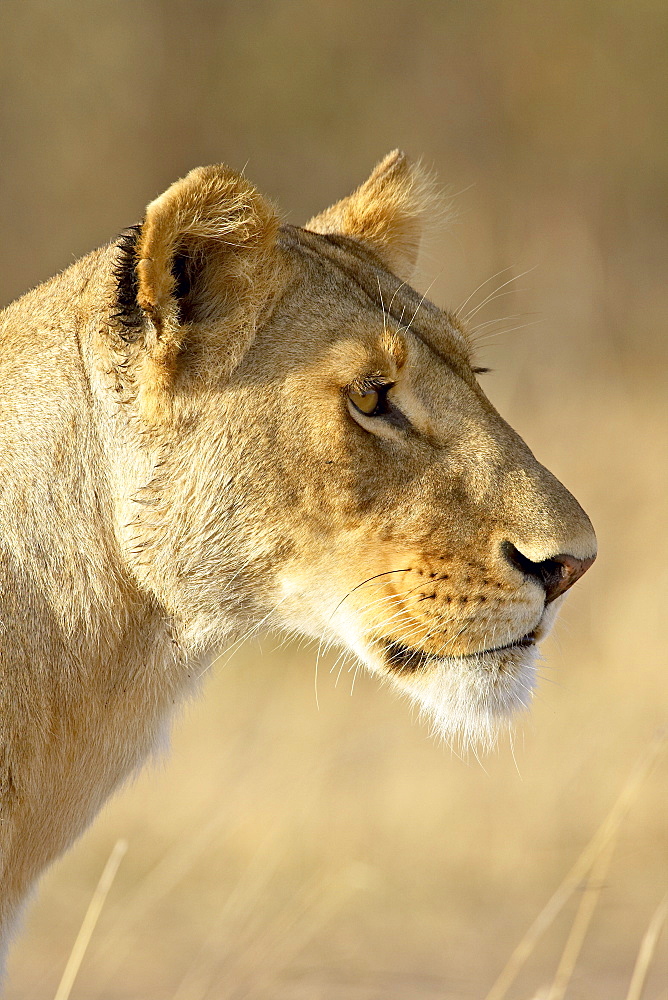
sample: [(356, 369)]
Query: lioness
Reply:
[(217, 422)]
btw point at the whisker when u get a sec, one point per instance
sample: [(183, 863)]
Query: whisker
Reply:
[(481, 285), (394, 295), (476, 341), (495, 294), (382, 305), (493, 298), (377, 576), (418, 307), (498, 319)]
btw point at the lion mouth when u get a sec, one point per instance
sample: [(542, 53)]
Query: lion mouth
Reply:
[(403, 659)]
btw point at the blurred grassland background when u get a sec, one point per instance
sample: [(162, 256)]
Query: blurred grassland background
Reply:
[(286, 852)]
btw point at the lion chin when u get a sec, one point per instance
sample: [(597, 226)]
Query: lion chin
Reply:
[(468, 700)]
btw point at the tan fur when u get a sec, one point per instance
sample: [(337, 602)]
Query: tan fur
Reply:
[(181, 461), (387, 212)]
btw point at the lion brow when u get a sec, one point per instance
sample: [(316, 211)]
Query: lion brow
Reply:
[(361, 266)]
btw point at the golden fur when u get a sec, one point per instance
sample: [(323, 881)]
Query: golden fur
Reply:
[(183, 459)]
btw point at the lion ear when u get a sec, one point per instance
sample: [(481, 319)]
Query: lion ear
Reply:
[(388, 212), (198, 255)]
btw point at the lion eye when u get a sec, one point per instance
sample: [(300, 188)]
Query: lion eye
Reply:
[(366, 402), (370, 400)]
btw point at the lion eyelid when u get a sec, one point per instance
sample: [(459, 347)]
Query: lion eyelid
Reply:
[(366, 387)]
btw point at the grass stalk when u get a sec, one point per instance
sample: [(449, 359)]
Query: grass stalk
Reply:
[(90, 920), (583, 917), (579, 871), (646, 952)]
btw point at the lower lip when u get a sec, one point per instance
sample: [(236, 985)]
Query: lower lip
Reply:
[(402, 658), (523, 643)]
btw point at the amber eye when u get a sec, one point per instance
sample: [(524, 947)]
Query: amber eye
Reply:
[(366, 402)]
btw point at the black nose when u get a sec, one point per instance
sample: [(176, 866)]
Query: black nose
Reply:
[(556, 575)]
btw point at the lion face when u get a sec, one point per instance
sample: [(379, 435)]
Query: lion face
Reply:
[(422, 532), (345, 477)]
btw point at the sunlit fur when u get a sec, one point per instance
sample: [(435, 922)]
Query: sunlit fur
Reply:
[(472, 699), (464, 700), (182, 465), (469, 700)]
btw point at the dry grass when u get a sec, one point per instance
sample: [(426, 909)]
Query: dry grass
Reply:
[(200, 976), (90, 920), (284, 853), (281, 852)]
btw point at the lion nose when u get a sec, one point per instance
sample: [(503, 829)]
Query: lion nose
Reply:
[(555, 575)]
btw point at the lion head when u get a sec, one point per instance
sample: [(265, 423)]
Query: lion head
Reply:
[(317, 453)]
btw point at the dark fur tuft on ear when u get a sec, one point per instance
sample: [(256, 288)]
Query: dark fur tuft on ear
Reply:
[(191, 283), (128, 317), (188, 265)]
